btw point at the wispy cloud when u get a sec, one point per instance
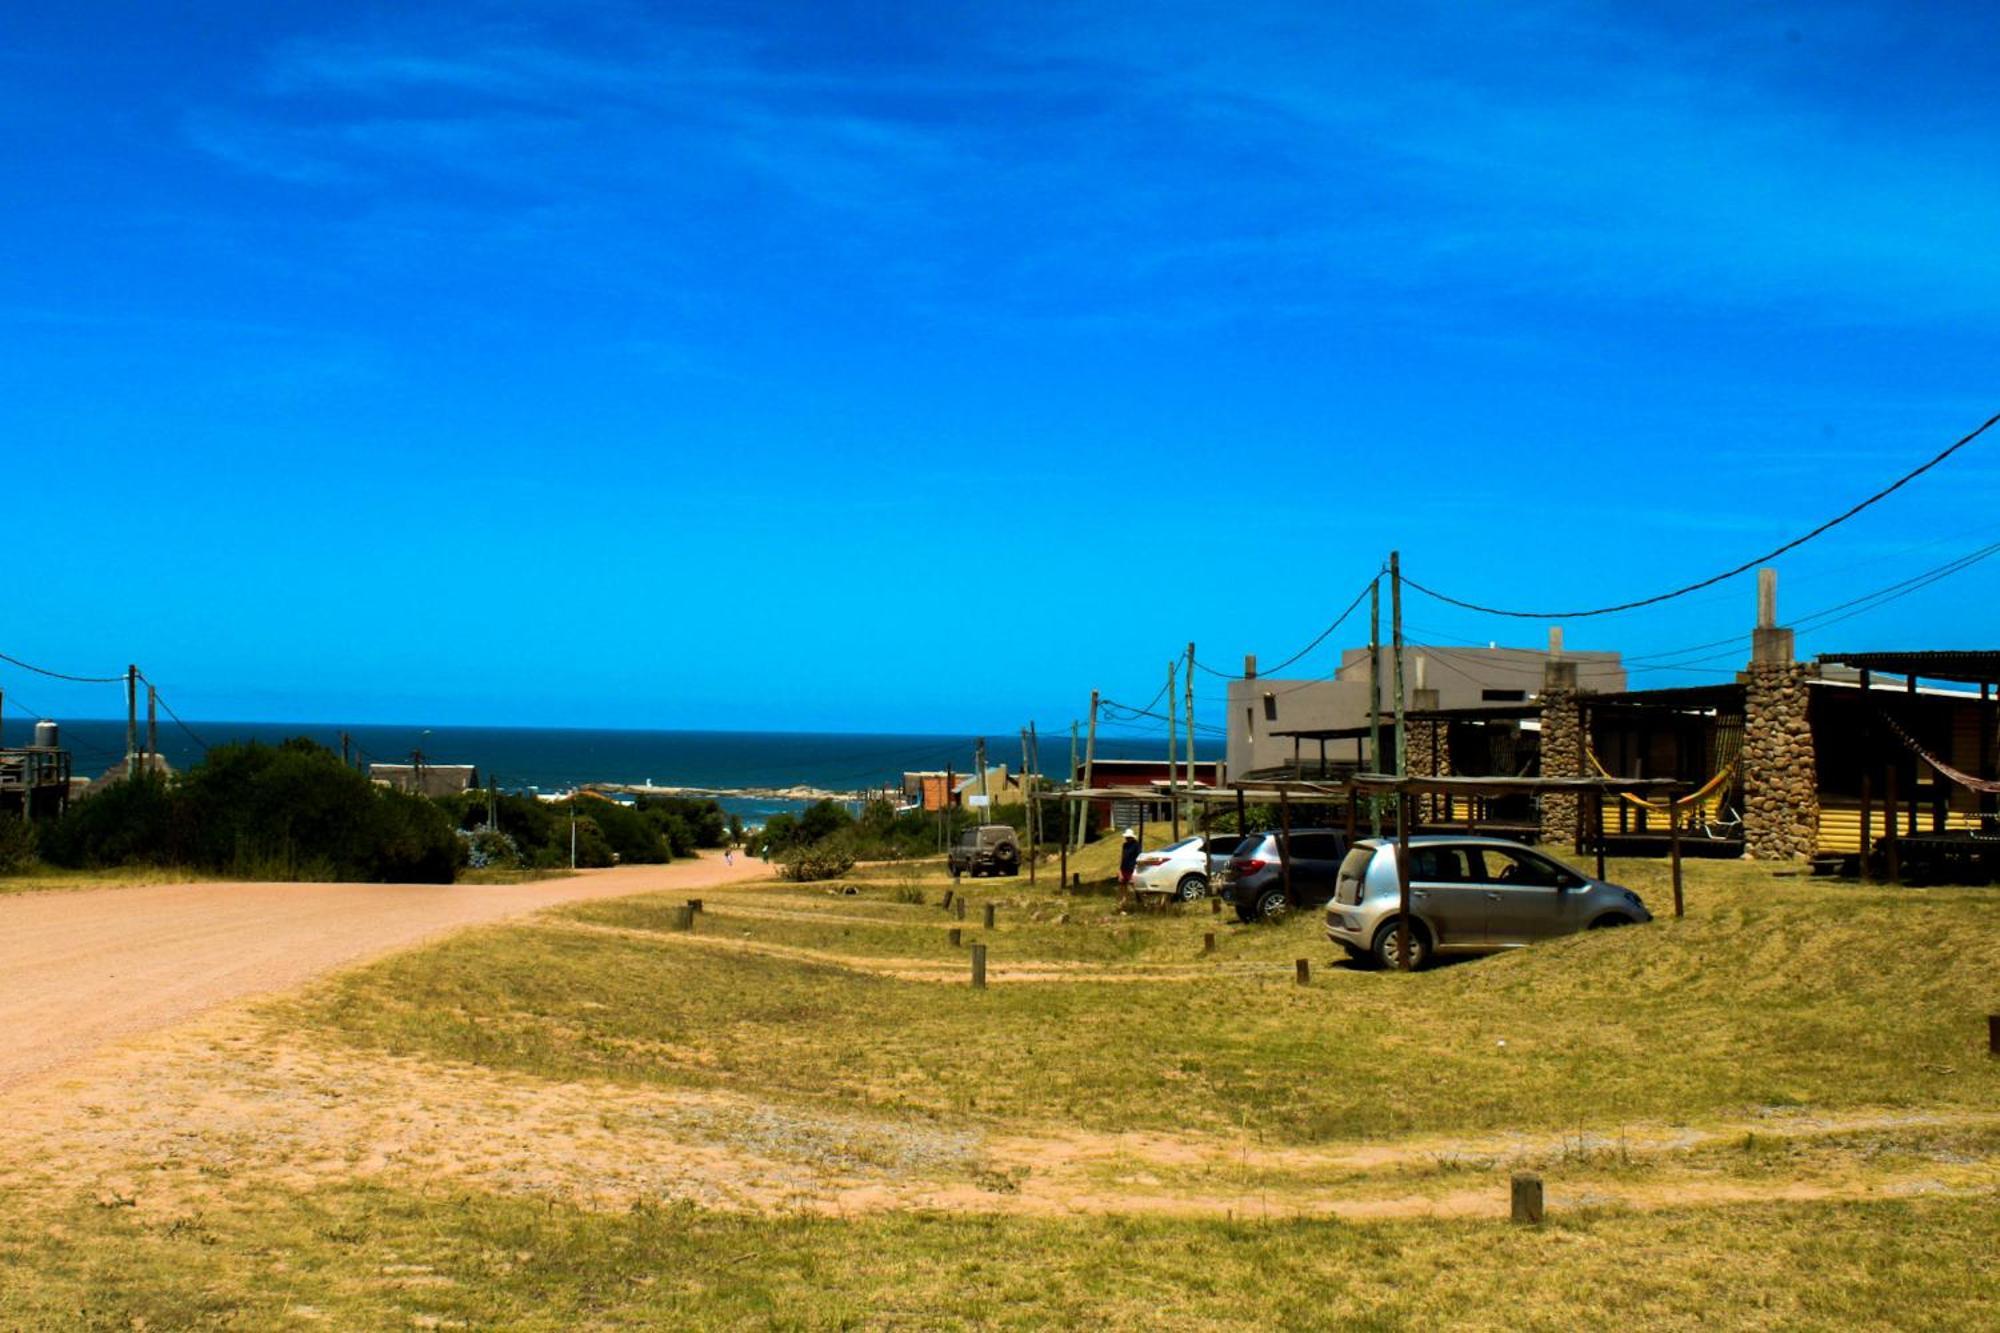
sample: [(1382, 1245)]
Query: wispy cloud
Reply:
[(1186, 163)]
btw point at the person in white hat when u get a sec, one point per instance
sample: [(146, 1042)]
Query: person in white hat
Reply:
[(1128, 862)]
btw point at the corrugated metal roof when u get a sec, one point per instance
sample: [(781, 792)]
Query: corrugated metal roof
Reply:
[(1967, 666)]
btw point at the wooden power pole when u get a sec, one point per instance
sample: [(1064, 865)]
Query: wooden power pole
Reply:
[(1089, 770), (131, 716), (1396, 631), (1173, 757), (1188, 682)]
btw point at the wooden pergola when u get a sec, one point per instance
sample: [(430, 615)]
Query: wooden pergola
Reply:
[(1406, 788), (1901, 839)]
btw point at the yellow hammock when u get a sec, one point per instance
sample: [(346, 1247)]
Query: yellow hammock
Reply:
[(1694, 800)]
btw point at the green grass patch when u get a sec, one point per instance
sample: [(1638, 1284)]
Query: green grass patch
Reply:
[(1777, 992), (356, 1256), (55, 879)]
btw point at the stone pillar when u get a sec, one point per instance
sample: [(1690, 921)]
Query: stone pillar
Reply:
[(1562, 749), (1429, 741), (1780, 771)]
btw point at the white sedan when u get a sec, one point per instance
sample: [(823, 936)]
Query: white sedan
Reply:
[(1179, 869)]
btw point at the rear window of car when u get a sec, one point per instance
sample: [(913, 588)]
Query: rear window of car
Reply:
[(1182, 845), (1316, 846), (1355, 864), (1255, 845), (1224, 844)]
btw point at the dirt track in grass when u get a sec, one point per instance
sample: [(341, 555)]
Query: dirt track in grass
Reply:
[(80, 970), (180, 1121)]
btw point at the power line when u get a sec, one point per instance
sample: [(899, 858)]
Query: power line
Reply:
[(1743, 568), (63, 675), (1811, 622), (161, 699), (1317, 641)]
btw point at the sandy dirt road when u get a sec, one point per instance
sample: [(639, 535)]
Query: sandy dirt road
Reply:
[(81, 970)]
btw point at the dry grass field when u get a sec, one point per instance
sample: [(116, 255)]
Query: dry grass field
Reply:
[(1776, 1112)]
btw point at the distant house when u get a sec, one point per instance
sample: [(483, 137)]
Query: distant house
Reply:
[(428, 779), (1138, 775), (936, 788)]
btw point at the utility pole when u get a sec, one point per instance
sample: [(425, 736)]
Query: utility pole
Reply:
[(1375, 676), (346, 747), (1089, 770), (131, 717), (986, 796), (152, 722), (1035, 767), (1189, 683), (1374, 698), (1396, 616), (1070, 816), (1173, 755), (572, 827), (944, 809)]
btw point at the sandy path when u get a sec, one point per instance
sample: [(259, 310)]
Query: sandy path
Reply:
[(80, 970)]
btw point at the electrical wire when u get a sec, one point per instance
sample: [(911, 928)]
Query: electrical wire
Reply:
[(161, 699), (1743, 568), (62, 675), (1317, 640)]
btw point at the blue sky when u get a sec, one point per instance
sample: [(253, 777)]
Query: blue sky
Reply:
[(797, 365)]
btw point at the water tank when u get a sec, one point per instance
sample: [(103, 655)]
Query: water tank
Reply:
[(47, 737)]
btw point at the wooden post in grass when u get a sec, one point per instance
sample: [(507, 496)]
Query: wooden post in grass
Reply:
[(681, 918), (1673, 854), (694, 904), (1528, 1199), (1890, 840), (989, 916), (954, 937), (1215, 906), (947, 900), (1867, 776), (979, 967), (958, 907), (1305, 971), (1285, 842), (1993, 1034), (1208, 946), (1403, 878)]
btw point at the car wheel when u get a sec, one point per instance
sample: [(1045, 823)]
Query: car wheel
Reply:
[(1272, 906), (1389, 956), (1190, 888), (1609, 920)]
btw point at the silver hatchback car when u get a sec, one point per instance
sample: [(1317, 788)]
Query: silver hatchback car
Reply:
[(1467, 895)]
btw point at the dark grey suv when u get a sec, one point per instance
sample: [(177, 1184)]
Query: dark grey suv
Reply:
[(1254, 883)]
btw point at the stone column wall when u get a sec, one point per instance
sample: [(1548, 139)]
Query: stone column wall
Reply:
[(1780, 772), (1562, 751), (1423, 737)]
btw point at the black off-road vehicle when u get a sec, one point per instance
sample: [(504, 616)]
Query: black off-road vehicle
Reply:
[(990, 849)]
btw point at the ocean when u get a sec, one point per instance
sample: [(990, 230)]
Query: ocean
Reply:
[(550, 759)]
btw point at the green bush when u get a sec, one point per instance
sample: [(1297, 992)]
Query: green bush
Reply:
[(17, 845), (825, 859), (291, 811)]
